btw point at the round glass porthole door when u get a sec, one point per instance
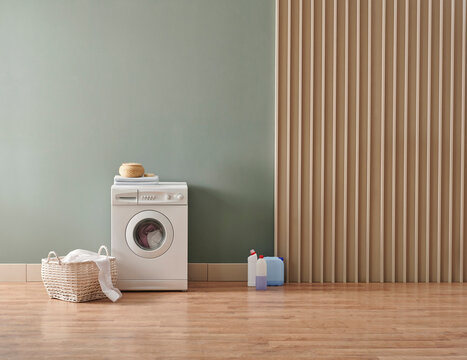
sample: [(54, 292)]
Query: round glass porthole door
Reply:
[(149, 234)]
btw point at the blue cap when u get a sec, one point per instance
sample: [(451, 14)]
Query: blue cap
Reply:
[(280, 257)]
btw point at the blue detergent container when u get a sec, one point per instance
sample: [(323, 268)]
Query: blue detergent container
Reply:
[(275, 271)]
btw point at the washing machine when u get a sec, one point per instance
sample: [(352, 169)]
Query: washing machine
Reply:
[(149, 236)]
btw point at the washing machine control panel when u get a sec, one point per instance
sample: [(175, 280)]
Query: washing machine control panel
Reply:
[(158, 197), (164, 193)]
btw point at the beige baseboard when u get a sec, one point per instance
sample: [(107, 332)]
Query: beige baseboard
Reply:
[(33, 272), (13, 272), (196, 272), (217, 272), (227, 272)]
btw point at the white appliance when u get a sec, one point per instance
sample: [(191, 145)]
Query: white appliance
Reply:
[(149, 236)]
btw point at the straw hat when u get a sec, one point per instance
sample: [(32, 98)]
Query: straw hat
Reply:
[(131, 170)]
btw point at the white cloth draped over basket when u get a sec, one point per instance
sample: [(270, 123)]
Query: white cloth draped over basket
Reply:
[(81, 275)]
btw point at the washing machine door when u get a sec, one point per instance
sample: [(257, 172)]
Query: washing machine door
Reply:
[(149, 234)]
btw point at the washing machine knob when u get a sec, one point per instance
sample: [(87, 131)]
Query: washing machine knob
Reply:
[(179, 196), (168, 197)]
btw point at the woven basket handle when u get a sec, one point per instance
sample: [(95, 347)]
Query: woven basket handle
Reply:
[(105, 248), (54, 254)]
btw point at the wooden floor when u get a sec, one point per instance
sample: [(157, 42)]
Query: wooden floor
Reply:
[(229, 321)]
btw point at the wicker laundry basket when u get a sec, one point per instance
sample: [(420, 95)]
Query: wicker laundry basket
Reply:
[(75, 282)]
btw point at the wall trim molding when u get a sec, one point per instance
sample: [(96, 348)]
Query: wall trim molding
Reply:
[(196, 272)]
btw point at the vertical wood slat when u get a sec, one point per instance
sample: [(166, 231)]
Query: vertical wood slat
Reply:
[(323, 122), (406, 100), (428, 144), (440, 137), (334, 144), (394, 138), (357, 142), (276, 132), (382, 142), (462, 190), (368, 151), (346, 137), (299, 155), (451, 143), (312, 55), (289, 47), (417, 144), (335, 233)]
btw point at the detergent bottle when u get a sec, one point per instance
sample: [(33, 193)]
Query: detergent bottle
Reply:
[(252, 259), (261, 274), (275, 270)]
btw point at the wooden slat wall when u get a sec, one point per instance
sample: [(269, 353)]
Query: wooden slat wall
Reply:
[(370, 140)]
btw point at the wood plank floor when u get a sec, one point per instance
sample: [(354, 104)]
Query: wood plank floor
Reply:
[(229, 321)]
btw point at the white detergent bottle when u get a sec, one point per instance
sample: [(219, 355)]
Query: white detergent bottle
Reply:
[(261, 274), (252, 259)]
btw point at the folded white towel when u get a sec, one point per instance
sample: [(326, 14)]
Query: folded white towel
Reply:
[(142, 179), (103, 263), (135, 183)]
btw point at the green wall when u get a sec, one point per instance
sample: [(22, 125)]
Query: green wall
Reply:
[(184, 87)]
